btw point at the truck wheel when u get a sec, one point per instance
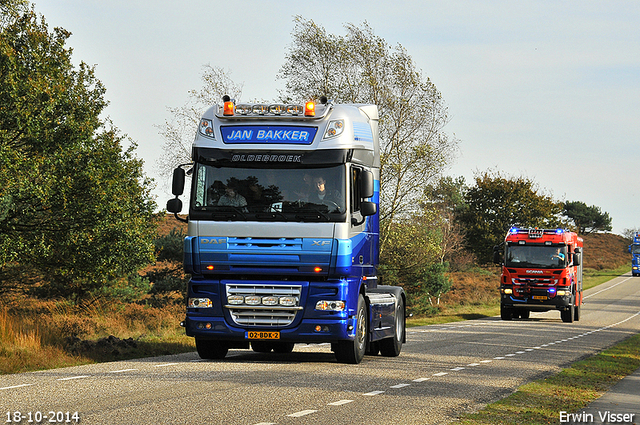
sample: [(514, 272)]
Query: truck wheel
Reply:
[(391, 347), (505, 312), (283, 347), (525, 314), (261, 346), (352, 352), (211, 349), (576, 313), (567, 315)]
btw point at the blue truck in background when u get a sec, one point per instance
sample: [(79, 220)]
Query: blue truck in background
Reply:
[(283, 232), (634, 249)]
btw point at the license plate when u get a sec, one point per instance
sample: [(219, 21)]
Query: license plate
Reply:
[(262, 335), (539, 297)]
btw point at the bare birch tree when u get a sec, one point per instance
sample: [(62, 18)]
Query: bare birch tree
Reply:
[(363, 68)]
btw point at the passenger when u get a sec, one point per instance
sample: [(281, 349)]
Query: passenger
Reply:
[(232, 198)]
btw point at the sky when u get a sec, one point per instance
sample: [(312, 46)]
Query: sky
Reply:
[(547, 89)]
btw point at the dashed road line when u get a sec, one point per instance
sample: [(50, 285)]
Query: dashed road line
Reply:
[(73, 377), (373, 393), (302, 413), (339, 403)]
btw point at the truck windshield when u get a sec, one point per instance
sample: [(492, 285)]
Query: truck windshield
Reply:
[(635, 249), (540, 256), (276, 194)]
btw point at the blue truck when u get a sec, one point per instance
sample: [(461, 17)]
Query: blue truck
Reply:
[(634, 249), (283, 231)]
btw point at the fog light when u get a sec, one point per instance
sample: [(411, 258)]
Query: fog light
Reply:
[(330, 305), (252, 300), (235, 299), (288, 301), (270, 300), (560, 293), (507, 291), (200, 303)]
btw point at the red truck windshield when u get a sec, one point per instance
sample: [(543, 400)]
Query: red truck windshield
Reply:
[(539, 256)]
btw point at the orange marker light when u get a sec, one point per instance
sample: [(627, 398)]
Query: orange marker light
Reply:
[(209, 267), (317, 269), (229, 108), (310, 109)]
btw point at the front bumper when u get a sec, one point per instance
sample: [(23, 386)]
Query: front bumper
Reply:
[(307, 331)]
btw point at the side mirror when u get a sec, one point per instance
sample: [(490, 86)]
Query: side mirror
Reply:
[(366, 184), (174, 205), (368, 208), (177, 186), (496, 255), (577, 258)]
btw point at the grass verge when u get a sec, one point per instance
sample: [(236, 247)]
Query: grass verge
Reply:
[(540, 402)]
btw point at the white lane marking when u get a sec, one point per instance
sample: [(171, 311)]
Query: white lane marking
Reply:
[(509, 355), (339, 403), (400, 386), (302, 413), (606, 289), (266, 423), (421, 379), (440, 374), (121, 370), (372, 393), (16, 386), (498, 358), (165, 364), (473, 364), (73, 377), (486, 361), (456, 369)]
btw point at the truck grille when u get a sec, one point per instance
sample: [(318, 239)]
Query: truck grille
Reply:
[(263, 305)]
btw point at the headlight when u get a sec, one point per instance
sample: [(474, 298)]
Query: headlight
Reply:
[(200, 303), (330, 305), (334, 129), (206, 128)]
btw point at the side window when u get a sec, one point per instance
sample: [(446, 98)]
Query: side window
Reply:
[(355, 189)]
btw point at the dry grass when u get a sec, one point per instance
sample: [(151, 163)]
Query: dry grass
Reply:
[(36, 334)]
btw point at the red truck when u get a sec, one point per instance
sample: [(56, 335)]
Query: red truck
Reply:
[(541, 271)]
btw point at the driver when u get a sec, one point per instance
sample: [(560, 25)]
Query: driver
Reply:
[(321, 193)]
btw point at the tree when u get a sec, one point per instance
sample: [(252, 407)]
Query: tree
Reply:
[(178, 133), (444, 200), (75, 206), (362, 68), (496, 203), (587, 219)]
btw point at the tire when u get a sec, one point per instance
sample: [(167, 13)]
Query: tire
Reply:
[(211, 349), (576, 313), (352, 352), (261, 346), (283, 347), (568, 314), (391, 347), (525, 314), (505, 312)]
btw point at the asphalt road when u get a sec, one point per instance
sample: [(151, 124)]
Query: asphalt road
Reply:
[(443, 371)]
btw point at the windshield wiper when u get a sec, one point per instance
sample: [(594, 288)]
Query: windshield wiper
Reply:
[(271, 215), (228, 213)]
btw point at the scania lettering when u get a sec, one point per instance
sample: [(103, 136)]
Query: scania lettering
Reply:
[(283, 232), (541, 271), (634, 249)]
